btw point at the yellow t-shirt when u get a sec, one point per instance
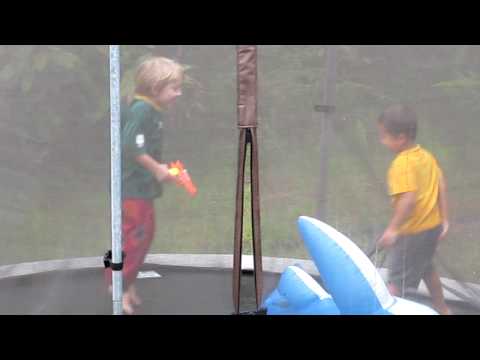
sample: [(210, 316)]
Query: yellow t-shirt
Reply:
[(417, 170)]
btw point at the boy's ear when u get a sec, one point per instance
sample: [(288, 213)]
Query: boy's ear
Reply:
[(154, 90), (158, 89)]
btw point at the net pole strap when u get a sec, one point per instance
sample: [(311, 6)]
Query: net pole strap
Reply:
[(256, 230), (239, 207)]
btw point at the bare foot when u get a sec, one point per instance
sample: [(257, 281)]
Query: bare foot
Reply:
[(444, 310), (127, 305), (134, 296)]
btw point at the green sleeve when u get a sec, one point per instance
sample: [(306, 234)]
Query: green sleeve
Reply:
[(133, 134)]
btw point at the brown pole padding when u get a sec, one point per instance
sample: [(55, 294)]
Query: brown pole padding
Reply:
[(247, 123), (238, 237), (247, 85)]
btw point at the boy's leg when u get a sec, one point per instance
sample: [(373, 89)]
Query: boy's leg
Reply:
[(434, 285), (430, 275), (393, 289), (396, 264), (137, 233), (138, 239)]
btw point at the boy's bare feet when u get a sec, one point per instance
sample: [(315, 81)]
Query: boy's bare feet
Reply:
[(443, 310), (134, 296), (127, 305), (130, 298)]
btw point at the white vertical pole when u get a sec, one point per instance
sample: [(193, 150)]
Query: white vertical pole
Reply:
[(115, 177)]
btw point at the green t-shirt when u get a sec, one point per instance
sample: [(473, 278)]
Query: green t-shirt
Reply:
[(141, 134)]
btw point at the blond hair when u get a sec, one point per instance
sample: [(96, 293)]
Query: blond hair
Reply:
[(154, 73)]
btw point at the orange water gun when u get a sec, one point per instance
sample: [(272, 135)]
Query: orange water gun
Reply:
[(182, 178)]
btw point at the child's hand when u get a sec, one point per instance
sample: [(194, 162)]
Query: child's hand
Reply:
[(445, 228), (161, 173), (388, 238)]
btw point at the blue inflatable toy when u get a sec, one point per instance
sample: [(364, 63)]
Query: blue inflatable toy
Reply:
[(349, 276), (299, 294)]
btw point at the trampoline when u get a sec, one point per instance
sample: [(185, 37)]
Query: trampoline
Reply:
[(168, 285), (82, 292), (267, 133), (173, 290)]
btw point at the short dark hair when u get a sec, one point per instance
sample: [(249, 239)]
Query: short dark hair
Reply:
[(400, 119)]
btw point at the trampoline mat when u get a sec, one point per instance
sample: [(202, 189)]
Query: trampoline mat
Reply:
[(178, 291)]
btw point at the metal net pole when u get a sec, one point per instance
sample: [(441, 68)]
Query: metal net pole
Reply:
[(116, 192)]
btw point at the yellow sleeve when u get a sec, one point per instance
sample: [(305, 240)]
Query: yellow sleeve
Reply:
[(440, 171), (401, 177)]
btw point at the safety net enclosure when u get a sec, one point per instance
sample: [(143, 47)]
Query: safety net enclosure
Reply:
[(318, 151), (329, 163)]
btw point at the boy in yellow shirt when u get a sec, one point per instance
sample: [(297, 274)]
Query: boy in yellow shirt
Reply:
[(419, 198)]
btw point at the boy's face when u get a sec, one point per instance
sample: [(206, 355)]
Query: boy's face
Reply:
[(395, 143), (167, 96)]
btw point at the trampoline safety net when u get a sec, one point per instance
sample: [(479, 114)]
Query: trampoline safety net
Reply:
[(319, 155)]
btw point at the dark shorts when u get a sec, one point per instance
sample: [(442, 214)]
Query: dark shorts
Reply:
[(412, 257)]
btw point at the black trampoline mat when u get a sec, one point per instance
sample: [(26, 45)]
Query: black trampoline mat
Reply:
[(179, 291)]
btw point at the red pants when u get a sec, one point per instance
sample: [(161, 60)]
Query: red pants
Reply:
[(138, 228)]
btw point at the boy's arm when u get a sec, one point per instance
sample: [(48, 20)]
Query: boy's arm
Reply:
[(443, 205), (160, 171), (135, 147), (403, 209)]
